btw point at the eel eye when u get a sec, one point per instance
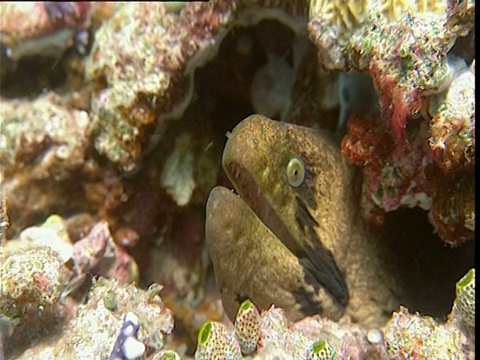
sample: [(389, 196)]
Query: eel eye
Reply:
[(295, 171)]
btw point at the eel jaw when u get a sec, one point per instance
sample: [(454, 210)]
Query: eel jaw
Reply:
[(251, 194), (319, 264)]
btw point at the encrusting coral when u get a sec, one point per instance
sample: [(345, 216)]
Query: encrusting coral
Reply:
[(145, 88), (216, 342), (410, 336), (320, 350), (247, 327), (405, 336), (30, 280), (452, 128), (465, 300), (91, 330), (419, 80), (142, 89), (42, 28)]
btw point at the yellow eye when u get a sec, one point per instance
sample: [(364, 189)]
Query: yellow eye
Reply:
[(295, 171)]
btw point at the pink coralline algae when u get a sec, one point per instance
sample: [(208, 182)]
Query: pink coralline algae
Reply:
[(98, 254), (395, 177), (427, 115), (392, 177)]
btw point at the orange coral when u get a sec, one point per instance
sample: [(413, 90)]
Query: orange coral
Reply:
[(365, 143)]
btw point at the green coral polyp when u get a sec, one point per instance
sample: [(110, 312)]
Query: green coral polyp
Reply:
[(215, 342), (466, 297), (320, 350), (467, 280), (110, 300), (404, 52), (247, 305), (204, 333)]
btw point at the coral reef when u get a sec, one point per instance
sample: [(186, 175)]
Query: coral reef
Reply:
[(92, 331), (112, 121), (392, 177), (405, 336), (349, 34), (465, 300), (44, 146), (94, 254), (31, 280), (395, 177), (304, 339), (452, 128), (410, 336), (419, 80), (140, 86), (215, 341)]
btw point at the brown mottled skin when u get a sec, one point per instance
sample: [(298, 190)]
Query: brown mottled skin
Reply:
[(315, 254)]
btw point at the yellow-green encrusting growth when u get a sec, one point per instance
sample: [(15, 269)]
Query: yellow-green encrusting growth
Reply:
[(466, 297), (320, 350), (216, 342), (247, 327), (166, 355)]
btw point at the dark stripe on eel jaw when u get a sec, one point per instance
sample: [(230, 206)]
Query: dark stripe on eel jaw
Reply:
[(318, 261), (319, 266)]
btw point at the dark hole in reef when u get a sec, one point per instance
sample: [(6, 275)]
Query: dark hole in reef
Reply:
[(31, 76), (221, 97), (465, 47), (222, 86), (428, 267)]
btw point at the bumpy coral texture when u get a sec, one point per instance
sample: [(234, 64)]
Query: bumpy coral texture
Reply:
[(93, 328), (216, 342), (247, 327), (411, 336), (320, 350), (452, 128), (30, 280), (465, 301), (143, 61)]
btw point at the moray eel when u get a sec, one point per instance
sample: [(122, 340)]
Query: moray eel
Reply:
[(292, 234)]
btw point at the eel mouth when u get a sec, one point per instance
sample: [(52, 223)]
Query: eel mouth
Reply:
[(251, 194), (319, 264)]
